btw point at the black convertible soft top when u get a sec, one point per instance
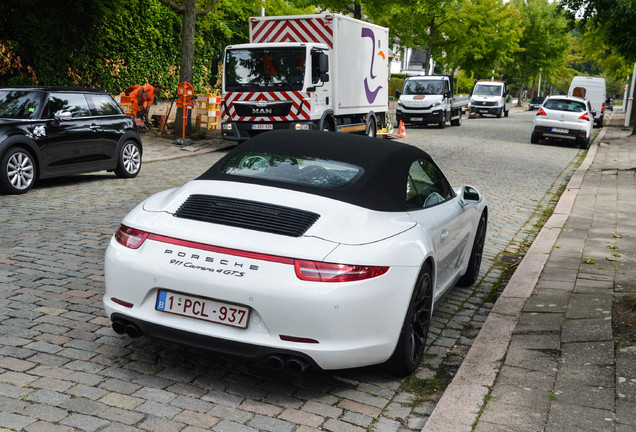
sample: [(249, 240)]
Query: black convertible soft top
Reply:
[(386, 164)]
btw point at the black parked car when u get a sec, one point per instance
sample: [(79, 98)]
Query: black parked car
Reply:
[(56, 131), (536, 102)]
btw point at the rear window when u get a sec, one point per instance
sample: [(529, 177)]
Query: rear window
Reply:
[(19, 104), (564, 105), (306, 171)]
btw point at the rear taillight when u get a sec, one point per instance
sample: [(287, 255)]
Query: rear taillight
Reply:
[(585, 116), (329, 272), (541, 112), (130, 237)]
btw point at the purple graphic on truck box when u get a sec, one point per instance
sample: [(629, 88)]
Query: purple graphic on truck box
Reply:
[(371, 94)]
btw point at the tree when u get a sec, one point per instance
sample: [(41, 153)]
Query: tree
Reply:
[(544, 44), (189, 11)]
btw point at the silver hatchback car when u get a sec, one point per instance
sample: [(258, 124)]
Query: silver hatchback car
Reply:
[(564, 117)]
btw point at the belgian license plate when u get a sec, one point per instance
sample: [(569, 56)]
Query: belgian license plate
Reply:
[(202, 308), (558, 130), (417, 118), (262, 126)]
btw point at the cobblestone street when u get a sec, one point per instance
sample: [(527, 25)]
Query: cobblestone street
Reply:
[(63, 368)]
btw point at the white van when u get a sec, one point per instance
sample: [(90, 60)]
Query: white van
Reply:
[(489, 97), (592, 89)]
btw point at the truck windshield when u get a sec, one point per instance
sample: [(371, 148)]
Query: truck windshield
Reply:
[(423, 87), (19, 104), (265, 69), (487, 90)]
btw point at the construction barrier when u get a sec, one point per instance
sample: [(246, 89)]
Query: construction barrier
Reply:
[(208, 111), (125, 102)]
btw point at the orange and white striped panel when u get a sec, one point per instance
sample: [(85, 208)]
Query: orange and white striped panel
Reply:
[(317, 30)]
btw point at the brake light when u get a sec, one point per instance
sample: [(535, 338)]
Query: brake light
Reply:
[(541, 112), (585, 116), (331, 272), (130, 237)]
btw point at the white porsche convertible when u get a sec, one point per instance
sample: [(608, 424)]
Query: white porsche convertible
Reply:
[(299, 249)]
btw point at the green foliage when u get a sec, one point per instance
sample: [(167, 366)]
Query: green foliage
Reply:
[(113, 44), (395, 84)]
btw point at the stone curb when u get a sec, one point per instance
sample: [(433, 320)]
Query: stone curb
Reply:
[(459, 406)]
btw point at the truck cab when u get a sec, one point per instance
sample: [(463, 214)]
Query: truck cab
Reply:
[(489, 97), (429, 99)]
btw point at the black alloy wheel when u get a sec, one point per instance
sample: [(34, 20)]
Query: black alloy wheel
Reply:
[(476, 254), (412, 340)]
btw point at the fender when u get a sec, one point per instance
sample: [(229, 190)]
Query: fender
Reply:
[(128, 135), (325, 116), (28, 144)]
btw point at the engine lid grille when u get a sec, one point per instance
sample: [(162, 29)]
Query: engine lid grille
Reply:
[(247, 214)]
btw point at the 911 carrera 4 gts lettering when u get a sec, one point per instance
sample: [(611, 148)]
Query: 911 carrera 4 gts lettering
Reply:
[(208, 259), (193, 266)]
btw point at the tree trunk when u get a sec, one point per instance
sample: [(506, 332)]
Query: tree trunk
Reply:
[(519, 99), (187, 59), (429, 48)]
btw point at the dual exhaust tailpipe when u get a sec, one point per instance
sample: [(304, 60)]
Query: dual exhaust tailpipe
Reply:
[(121, 326), (276, 362), (296, 365)]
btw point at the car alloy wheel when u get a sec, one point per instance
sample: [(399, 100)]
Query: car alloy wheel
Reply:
[(476, 254), (18, 171), (129, 163), (412, 341)]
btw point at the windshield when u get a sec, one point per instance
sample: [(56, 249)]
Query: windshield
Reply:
[(265, 69), (307, 171), (423, 87), (487, 90), (19, 104)]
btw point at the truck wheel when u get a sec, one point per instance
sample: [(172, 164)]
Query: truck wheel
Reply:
[(442, 124), (499, 113), (458, 120), (371, 129), (506, 113)]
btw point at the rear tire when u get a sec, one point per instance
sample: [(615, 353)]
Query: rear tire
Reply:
[(477, 252), (458, 121), (535, 138), (371, 132), (499, 113), (584, 143), (412, 340), (129, 163), (18, 171)]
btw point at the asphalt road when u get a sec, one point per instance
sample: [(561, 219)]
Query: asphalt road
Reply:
[(63, 368)]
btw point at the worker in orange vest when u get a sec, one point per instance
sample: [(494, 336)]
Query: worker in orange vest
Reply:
[(142, 97)]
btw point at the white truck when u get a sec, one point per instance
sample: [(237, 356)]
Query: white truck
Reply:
[(308, 72), (489, 97), (428, 99)]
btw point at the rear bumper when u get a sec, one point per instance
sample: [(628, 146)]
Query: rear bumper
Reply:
[(550, 132)]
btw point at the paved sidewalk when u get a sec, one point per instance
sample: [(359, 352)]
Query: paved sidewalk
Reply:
[(547, 358), (157, 148)]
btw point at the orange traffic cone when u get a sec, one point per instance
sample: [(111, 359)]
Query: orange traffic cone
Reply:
[(402, 132)]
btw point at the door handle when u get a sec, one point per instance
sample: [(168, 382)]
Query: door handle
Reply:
[(94, 126)]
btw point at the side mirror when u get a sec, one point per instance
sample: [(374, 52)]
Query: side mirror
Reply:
[(62, 115), (324, 77), (397, 94), (323, 63), (593, 113), (469, 195)]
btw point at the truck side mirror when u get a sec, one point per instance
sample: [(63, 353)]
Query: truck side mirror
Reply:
[(324, 77), (397, 94), (323, 64)]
